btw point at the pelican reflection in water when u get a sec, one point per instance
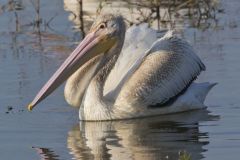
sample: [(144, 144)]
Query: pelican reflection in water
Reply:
[(148, 138), (113, 75)]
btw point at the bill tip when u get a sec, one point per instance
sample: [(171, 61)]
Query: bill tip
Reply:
[(30, 107)]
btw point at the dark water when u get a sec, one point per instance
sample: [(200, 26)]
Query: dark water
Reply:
[(33, 45)]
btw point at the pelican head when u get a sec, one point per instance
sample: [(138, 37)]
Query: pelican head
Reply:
[(106, 32)]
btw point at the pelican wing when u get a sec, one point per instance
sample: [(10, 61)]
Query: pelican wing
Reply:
[(167, 69), (134, 50)]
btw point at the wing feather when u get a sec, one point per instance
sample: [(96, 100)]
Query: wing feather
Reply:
[(170, 65), (135, 48)]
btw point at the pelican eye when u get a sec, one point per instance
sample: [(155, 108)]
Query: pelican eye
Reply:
[(102, 26)]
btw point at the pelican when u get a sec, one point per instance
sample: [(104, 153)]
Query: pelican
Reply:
[(109, 78)]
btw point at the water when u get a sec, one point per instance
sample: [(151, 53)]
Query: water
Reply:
[(30, 52)]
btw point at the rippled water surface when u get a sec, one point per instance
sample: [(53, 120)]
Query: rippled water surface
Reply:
[(33, 45)]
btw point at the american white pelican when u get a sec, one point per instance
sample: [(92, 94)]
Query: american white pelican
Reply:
[(149, 76)]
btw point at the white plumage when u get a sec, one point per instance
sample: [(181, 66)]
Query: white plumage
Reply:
[(150, 71), (135, 48), (141, 42)]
